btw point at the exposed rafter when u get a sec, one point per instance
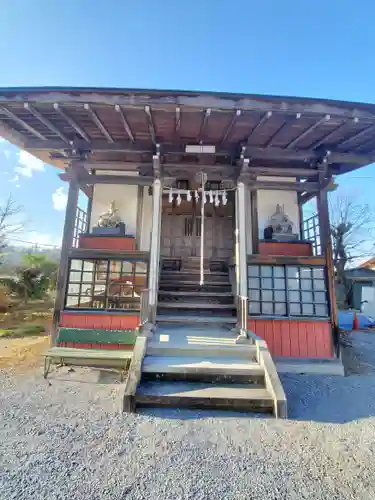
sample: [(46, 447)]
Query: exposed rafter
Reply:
[(231, 125), (21, 122), (71, 122), (99, 123), (125, 122), (306, 132), (356, 136), (326, 137), (279, 129), (151, 125), (45, 122), (264, 118), (205, 118), (214, 100)]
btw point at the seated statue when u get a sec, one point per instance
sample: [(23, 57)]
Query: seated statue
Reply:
[(110, 218), (281, 226)]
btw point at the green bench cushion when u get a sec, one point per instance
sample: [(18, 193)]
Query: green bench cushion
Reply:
[(97, 336), (67, 352)]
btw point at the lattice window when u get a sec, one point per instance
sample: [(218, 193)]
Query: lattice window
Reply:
[(105, 284), (80, 226), (311, 232), (287, 291)]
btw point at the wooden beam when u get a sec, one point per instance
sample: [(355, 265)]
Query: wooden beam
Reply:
[(264, 118), (71, 122), (125, 122), (151, 125), (99, 123), (329, 186), (285, 186), (270, 153), (205, 118), (178, 119), (231, 125), (356, 136), (312, 127), (284, 171), (279, 129), (273, 153), (91, 179), (326, 137), (21, 122), (46, 122)]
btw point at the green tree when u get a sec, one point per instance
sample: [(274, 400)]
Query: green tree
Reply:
[(34, 278)]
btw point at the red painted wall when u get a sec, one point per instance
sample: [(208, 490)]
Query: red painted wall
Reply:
[(107, 242), (301, 249), (295, 338), (106, 321), (78, 345)]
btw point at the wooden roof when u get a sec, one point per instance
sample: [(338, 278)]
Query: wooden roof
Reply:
[(114, 126)]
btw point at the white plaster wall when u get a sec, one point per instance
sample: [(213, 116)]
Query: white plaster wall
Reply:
[(125, 198), (146, 221), (268, 199)]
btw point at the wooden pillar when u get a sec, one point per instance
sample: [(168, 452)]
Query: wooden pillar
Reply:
[(67, 242), (89, 211), (155, 247), (326, 246), (242, 256), (254, 221), (300, 215), (138, 234), (323, 216)]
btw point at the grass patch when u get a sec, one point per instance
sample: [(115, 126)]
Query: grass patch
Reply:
[(23, 331)]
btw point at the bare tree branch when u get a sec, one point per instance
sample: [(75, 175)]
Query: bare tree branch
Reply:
[(352, 226), (8, 225)]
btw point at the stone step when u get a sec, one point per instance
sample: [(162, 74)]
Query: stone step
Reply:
[(193, 319), (202, 368), (241, 397)]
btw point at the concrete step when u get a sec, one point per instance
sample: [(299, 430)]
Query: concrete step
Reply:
[(241, 397), (201, 347), (193, 319), (202, 368)]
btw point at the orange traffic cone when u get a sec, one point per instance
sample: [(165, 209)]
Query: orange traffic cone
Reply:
[(355, 322)]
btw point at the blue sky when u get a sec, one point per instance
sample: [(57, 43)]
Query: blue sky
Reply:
[(320, 48)]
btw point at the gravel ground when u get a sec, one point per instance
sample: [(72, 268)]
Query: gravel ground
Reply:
[(66, 440)]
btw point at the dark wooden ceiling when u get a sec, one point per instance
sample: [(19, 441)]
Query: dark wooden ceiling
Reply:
[(114, 125)]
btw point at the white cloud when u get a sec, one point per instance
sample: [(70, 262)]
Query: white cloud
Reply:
[(15, 178), (18, 185), (28, 164), (2, 139), (59, 199)]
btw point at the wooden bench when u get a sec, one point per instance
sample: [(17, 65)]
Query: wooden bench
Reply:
[(112, 356)]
